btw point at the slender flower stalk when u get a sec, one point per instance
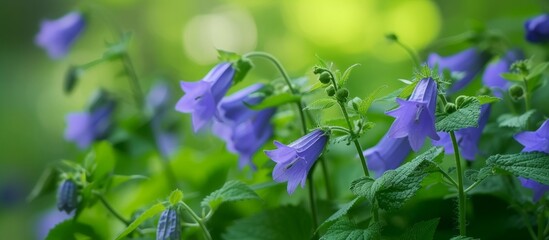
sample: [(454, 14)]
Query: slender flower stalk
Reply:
[(355, 139), (461, 192), (198, 220), (111, 209)]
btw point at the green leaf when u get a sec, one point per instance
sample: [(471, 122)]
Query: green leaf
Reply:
[(515, 77), (105, 160), (242, 67), (70, 229), (367, 102), (466, 116), (320, 104), (341, 212), (509, 120), (423, 230), (275, 100), (484, 99), (176, 196), (537, 70), (117, 180), (283, 223), (227, 56), (345, 229), (149, 213), (407, 91), (230, 192), (46, 183), (532, 165), (395, 187), (343, 79)]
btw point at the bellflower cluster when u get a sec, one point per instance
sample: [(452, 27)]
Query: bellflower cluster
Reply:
[(244, 130), (415, 117), (57, 36), (294, 161), (537, 29), (535, 141), (388, 154), (84, 128), (468, 63), (491, 77), (202, 98), (467, 138), (158, 101)]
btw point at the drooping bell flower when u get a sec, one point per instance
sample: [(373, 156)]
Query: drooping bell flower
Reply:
[(492, 74), (466, 64), (244, 130), (158, 101), (467, 138), (387, 154), (57, 36), (415, 117), (84, 128), (67, 196), (169, 225), (294, 161), (535, 141), (201, 98), (537, 29)]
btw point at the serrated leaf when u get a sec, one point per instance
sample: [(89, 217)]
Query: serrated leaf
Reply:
[(484, 99), (230, 192), (341, 212), (509, 120), (320, 104), (345, 229), (466, 116), (531, 165), (537, 70), (46, 183), (283, 223), (512, 77), (367, 102), (70, 229), (275, 100), (149, 213), (343, 79), (422, 230)]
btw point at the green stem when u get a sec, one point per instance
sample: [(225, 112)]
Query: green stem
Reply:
[(452, 181), (355, 140), (111, 209), (341, 129), (461, 203), (410, 52), (375, 212), (526, 95), (198, 220), (541, 218), (528, 225), (134, 81), (313, 203), (472, 186), (329, 193)]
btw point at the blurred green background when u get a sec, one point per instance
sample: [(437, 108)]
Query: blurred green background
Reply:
[(176, 40)]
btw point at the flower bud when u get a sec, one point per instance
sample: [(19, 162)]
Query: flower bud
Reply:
[(318, 70), (450, 108), (67, 195), (325, 77), (330, 90), (516, 92), (342, 94), (168, 225)]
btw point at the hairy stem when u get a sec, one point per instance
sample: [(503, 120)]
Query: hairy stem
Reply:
[(111, 209), (462, 202), (355, 140), (198, 220)]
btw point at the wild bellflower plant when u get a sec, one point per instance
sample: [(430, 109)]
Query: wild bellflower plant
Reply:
[(467, 138), (201, 98), (388, 154), (244, 130), (466, 64), (57, 36), (294, 161), (535, 141), (491, 77), (537, 29), (415, 117), (84, 128)]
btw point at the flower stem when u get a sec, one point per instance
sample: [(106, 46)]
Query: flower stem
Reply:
[(526, 95), (410, 52), (313, 203), (355, 140), (461, 203), (197, 220), (449, 178), (134, 81), (541, 217), (111, 209)]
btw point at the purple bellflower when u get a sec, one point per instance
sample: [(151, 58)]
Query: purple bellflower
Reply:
[(535, 141), (491, 77), (84, 128), (294, 161), (388, 154), (244, 130), (467, 63), (467, 138), (158, 101), (201, 98), (57, 36), (537, 29), (47, 221), (415, 117)]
